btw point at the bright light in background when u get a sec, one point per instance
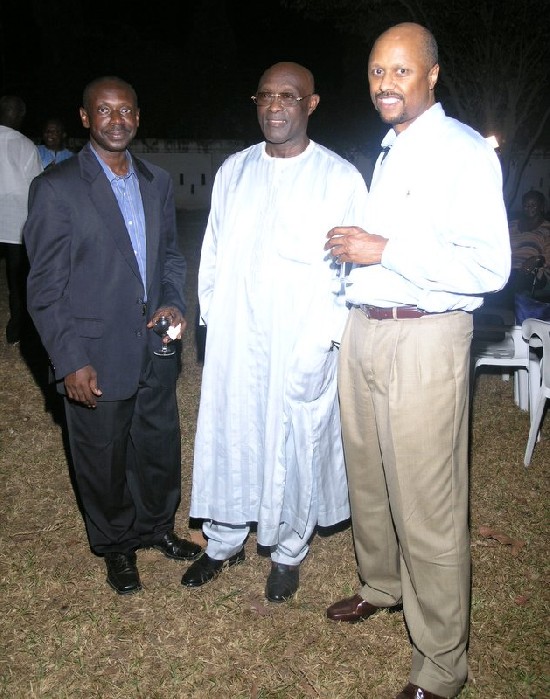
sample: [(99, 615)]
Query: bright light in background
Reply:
[(492, 141)]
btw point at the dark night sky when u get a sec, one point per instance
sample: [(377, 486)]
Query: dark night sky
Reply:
[(193, 65)]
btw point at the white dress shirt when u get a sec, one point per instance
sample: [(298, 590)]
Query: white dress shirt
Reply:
[(19, 165), (437, 197)]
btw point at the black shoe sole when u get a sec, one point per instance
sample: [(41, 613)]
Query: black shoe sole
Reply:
[(130, 591), (279, 600)]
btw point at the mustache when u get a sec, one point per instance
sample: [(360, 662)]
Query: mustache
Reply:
[(388, 93)]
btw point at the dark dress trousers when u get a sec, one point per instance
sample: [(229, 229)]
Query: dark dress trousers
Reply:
[(89, 305)]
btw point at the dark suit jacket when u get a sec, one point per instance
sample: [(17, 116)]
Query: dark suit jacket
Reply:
[(85, 292)]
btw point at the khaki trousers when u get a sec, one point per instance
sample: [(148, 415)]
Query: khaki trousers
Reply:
[(403, 388)]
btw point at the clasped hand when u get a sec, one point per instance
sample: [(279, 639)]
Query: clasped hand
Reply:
[(353, 244)]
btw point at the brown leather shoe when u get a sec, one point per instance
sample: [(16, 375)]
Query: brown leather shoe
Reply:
[(413, 691), (351, 609)]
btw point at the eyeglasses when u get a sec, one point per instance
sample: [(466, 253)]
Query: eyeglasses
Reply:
[(285, 99)]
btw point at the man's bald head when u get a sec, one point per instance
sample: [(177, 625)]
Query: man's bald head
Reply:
[(288, 67), (417, 33), (111, 80), (12, 111)]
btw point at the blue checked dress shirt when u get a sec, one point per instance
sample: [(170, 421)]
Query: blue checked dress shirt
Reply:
[(128, 196)]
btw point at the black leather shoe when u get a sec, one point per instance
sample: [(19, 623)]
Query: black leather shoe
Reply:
[(179, 549), (351, 609), (122, 572), (282, 582), (413, 691), (205, 569)]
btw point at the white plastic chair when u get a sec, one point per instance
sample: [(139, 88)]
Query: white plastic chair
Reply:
[(537, 332), (509, 351)]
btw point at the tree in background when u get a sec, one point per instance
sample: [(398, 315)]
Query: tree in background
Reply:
[(494, 58)]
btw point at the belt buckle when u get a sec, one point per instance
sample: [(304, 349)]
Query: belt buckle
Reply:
[(366, 310)]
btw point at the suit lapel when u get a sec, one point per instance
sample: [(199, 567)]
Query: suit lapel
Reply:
[(105, 202)]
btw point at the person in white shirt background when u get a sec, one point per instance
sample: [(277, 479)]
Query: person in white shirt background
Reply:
[(19, 165)]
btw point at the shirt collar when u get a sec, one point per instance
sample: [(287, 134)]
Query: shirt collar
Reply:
[(111, 176), (420, 124)]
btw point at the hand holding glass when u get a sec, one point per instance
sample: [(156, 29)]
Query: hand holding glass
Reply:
[(161, 328)]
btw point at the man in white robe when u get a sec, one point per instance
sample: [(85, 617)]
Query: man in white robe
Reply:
[(268, 446)]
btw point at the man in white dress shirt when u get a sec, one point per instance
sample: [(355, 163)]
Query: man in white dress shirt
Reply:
[(436, 239), (268, 446)]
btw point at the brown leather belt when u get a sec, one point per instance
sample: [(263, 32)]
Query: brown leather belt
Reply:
[(393, 312)]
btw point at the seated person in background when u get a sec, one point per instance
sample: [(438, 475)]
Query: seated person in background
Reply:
[(530, 244), (53, 151)]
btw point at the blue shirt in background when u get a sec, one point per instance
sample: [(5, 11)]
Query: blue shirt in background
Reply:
[(52, 157)]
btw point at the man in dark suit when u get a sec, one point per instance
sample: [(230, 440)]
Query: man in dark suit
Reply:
[(105, 265)]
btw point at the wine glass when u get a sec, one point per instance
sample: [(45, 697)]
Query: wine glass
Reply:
[(339, 277), (161, 328)]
